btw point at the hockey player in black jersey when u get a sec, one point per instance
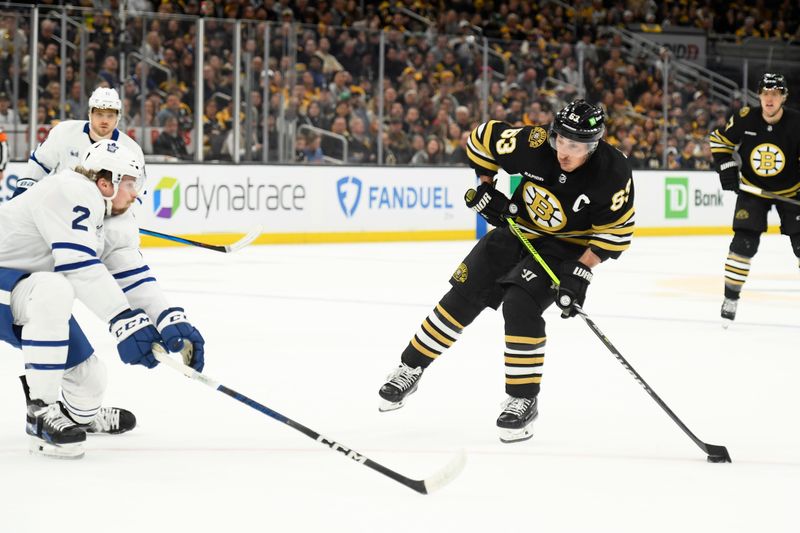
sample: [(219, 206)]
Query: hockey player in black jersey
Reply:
[(766, 140), (575, 203)]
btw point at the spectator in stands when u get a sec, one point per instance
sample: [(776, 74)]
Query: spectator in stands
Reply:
[(313, 149), (8, 117), (361, 147), (332, 146), (170, 142), (401, 145), (432, 154), (175, 108), (109, 71)]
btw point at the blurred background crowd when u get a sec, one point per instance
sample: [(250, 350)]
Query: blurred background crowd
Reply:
[(393, 82)]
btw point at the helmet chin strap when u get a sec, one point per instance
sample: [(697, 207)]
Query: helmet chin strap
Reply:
[(109, 200)]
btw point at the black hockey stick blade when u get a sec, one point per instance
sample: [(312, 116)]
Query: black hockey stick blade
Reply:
[(717, 454), (227, 248), (423, 486)]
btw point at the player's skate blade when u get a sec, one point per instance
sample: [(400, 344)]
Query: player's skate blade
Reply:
[(728, 312), (38, 446), (400, 384), (515, 423), (508, 435)]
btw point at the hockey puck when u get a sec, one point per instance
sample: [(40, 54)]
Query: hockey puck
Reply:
[(718, 459)]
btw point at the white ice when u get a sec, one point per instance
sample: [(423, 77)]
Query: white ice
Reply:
[(312, 331)]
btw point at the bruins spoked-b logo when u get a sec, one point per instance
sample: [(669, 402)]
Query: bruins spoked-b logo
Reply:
[(543, 207), (767, 160), (461, 273), (537, 137)]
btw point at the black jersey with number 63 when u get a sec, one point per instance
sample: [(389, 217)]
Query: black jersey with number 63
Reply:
[(769, 152), (592, 206)]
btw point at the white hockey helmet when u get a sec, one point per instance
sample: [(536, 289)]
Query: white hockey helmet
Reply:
[(120, 161), (105, 98)]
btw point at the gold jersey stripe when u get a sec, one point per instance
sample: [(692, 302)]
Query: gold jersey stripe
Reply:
[(482, 163), (524, 340), (610, 247), (523, 381), (716, 136), (423, 349), (449, 317), (524, 360), (435, 334), (621, 220)]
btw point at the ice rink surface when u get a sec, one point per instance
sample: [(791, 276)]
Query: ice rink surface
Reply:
[(312, 331)]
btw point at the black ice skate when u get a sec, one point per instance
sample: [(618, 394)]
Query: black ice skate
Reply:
[(111, 421), (53, 434), (399, 385), (728, 311), (515, 423)]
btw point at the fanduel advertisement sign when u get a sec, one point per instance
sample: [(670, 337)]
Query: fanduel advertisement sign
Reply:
[(389, 196)]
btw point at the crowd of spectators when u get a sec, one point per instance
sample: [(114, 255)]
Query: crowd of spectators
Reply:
[(322, 74)]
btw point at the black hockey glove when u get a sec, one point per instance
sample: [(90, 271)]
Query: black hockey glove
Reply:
[(575, 278), (729, 176), (491, 204)]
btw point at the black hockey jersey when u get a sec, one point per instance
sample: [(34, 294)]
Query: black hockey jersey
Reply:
[(769, 152), (592, 206)]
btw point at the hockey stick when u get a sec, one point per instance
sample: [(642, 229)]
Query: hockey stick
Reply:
[(423, 486), (227, 248), (758, 191), (716, 454)]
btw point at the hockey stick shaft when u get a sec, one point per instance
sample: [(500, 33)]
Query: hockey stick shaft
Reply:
[(227, 248), (758, 191), (718, 452), (423, 486)]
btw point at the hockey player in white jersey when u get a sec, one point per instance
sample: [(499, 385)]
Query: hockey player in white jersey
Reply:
[(68, 139), (54, 249)]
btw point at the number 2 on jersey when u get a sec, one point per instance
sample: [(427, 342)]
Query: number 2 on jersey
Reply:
[(83, 214)]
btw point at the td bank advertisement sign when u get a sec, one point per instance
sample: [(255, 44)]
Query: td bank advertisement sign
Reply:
[(682, 199), (197, 199)]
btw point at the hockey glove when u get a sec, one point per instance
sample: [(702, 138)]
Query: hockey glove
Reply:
[(175, 329), (135, 336), (490, 203), (729, 176), (575, 278), (22, 186)]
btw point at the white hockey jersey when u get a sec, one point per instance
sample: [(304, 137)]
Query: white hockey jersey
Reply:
[(64, 145), (60, 226)]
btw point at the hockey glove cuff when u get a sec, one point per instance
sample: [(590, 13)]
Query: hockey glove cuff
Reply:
[(135, 336), (729, 176), (180, 336), (22, 186), (575, 278), (490, 203)]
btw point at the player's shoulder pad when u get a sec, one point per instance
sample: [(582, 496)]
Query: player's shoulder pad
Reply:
[(76, 189)]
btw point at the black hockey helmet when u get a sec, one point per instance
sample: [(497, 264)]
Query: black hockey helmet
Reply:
[(579, 121), (771, 80)]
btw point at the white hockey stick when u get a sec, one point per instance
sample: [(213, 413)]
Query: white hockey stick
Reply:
[(767, 194), (423, 486)]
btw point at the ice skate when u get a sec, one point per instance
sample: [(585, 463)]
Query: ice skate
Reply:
[(399, 385), (111, 421), (728, 311), (52, 433), (515, 423)]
